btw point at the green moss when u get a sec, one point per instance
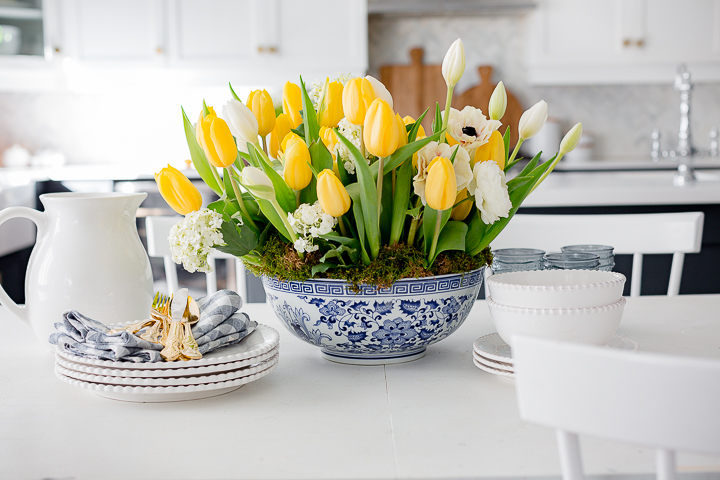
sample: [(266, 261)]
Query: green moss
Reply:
[(280, 260)]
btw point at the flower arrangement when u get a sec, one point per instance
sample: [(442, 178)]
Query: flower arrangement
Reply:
[(339, 185)]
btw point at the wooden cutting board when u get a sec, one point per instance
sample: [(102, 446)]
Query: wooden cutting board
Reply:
[(418, 86)]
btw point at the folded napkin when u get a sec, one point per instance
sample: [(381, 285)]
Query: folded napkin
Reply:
[(220, 324)]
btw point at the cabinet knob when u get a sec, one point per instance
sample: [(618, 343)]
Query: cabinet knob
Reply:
[(261, 49), (56, 49), (159, 50), (626, 42), (272, 49), (640, 43)]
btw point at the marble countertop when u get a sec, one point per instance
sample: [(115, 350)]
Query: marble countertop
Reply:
[(437, 417)]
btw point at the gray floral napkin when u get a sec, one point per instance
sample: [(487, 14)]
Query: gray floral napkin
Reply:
[(220, 324)]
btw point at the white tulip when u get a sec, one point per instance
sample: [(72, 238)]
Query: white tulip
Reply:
[(532, 120), (381, 91), (453, 65), (498, 102), (242, 122), (258, 183), (571, 139)]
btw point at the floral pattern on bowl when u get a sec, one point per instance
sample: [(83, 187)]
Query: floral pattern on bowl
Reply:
[(374, 326)]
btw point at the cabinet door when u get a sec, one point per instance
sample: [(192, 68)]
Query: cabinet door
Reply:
[(323, 35), (214, 32), (625, 41), (127, 32)]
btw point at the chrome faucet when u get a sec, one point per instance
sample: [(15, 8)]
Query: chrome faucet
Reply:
[(685, 152)]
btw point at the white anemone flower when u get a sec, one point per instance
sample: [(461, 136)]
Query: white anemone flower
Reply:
[(491, 193), (470, 128), (461, 165)]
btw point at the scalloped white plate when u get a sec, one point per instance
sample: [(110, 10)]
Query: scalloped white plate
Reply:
[(165, 394), (261, 340), (168, 382), (494, 371), (493, 347), (506, 367), (166, 373)]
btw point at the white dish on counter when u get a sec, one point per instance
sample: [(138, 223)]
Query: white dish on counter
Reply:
[(169, 382), (165, 394), (556, 288), (594, 326), (164, 373), (260, 341)]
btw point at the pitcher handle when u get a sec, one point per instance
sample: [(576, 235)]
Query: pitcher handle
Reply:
[(40, 220)]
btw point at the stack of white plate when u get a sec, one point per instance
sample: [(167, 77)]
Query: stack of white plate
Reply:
[(220, 371), (493, 355)]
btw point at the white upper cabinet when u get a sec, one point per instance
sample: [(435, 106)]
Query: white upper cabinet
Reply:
[(575, 42), (247, 41), (109, 31)]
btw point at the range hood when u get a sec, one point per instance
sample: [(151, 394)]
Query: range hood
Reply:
[(419, 8)]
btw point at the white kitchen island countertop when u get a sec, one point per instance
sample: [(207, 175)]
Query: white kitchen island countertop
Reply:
[(437, 417), (568, 189)]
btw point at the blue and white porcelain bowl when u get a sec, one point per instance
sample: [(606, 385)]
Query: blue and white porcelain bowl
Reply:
[(374, 326)]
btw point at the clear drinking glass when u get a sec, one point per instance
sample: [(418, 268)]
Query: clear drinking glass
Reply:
[(572, 261), (517, 259), (605, 252)]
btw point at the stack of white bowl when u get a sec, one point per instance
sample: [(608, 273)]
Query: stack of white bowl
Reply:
[(583, 306)]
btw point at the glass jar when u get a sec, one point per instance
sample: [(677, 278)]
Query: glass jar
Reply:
[(572, 261), (517, 259), (605, 252)]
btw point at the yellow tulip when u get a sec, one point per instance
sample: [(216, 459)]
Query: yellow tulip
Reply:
[(460, 212), (407, 119), (380, 132), (402, 131), (261, 104), (198, 125), (331, 193), (216, 141), (283, 125), (297, 171), (178, 191), (292, 103), (331, 108), (330, 139), (289, 138), (494, 149), (440, 184), (357, 96)]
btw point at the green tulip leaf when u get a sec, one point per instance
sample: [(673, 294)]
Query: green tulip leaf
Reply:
[(429, 222), (321, 159), (452, 237), (437, 124), (202, 166), (367, 197), (284, 194), (402, 153), (312, 128), (269, 211), (401, 200), (476, 231), (233, 93), (415, 127), (354, 191)]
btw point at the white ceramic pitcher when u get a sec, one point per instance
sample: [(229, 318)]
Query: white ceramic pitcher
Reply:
[(88, 257)]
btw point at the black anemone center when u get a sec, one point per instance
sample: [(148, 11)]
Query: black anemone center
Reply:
[(469, 131)]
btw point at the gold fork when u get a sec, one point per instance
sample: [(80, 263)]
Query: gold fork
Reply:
[(161, 303)]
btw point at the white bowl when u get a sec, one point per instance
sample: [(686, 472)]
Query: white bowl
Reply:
[(556, 288), (595, 325)]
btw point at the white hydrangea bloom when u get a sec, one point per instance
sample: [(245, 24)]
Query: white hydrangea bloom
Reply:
[(193, 237), (490, 190), (310, 222), (352, 133)]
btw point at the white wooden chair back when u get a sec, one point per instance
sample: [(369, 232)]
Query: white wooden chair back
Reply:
[(635, 234), (662, 401), (157, 231)]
